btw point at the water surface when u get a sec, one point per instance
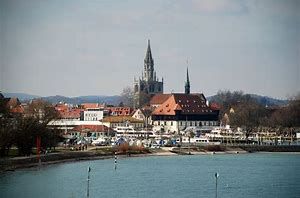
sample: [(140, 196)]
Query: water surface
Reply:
[(241, 175)]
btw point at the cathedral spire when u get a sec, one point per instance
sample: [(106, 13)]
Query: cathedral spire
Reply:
[(148, 57), (149, 64), (187, 83)]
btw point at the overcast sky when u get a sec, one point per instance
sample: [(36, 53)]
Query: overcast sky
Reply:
[(77, 47)]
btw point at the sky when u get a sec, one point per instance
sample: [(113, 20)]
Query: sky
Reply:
[(78, 47)]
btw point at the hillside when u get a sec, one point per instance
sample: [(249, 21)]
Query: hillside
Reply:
[(263, 100), (21, 96), (113, 100)]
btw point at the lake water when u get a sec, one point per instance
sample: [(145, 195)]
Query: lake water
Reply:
[(241, 175)]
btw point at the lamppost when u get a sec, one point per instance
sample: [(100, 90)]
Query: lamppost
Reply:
[(216, 176)]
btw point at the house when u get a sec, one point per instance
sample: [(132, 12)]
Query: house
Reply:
[(61, 107), (115, 121), (143, 114), (183, 110), (71, 114), (18, 110), (92, 114), (12, 103)]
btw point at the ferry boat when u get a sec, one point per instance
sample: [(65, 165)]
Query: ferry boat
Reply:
[(202, 140), (130, 132)]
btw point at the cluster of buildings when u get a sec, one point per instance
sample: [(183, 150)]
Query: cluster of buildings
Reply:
[(153, 110)]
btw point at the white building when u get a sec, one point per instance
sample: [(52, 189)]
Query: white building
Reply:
[(180, 111), (92, 114)]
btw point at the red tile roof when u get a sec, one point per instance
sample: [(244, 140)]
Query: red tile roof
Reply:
[(17, 109), (183, 103), (61, 107), (91, 105), (73, 113), (159, 99), (120, 111), (12, 102)]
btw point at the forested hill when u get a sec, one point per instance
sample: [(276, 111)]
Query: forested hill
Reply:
[(235, 96)]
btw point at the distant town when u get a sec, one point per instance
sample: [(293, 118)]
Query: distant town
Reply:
[(148, 118)]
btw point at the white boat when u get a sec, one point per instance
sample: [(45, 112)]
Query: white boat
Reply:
[(202, 140), (130, 132), (222, 134), (101, 141)]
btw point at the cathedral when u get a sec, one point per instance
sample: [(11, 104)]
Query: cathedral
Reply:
[(147, 85)]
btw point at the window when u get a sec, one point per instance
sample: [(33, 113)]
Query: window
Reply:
[(171, 123)]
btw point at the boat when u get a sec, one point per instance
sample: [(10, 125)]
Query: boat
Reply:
[(202, 140), (101, 141), (130, 132)]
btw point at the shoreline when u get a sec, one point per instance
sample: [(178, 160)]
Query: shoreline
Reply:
[(14, 164)]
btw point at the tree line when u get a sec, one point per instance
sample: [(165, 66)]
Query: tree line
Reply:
[(21, 130), (242, 110)]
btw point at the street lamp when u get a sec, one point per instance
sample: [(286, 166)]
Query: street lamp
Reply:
[(216, 176)]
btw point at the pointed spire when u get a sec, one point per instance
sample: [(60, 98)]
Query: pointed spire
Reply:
[(148, 57), (187, 83), (187, 75), (149, 64)]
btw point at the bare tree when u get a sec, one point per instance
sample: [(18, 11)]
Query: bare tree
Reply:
[(127, 96)]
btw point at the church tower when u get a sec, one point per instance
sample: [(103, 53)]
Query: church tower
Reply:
[(148, 65), (147, 85), (187, 83)]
